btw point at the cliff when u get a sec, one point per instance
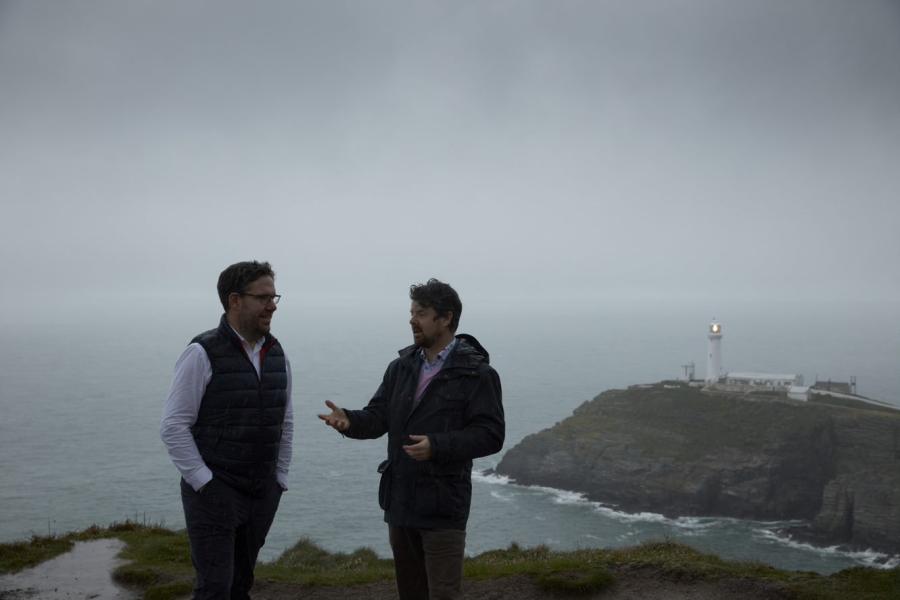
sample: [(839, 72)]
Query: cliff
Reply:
[(676, 450)]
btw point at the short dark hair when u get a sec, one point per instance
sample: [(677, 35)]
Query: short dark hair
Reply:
[(237, 277), (439, 296)]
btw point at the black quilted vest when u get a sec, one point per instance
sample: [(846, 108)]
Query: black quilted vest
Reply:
[(238, 428)]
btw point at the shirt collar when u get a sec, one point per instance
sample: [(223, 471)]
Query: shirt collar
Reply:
[(441, 356), (252, 347)]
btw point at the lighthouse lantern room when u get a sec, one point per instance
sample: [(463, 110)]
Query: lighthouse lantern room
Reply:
[(714, 354)]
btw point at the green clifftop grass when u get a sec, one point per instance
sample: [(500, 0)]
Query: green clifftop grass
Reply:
[(160, 566)]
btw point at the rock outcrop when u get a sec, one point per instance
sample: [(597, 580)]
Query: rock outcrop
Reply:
[(677, 450)]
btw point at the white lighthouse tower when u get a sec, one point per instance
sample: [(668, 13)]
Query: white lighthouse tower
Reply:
[(714, 356)]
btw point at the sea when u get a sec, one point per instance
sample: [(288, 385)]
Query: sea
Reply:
[(82, 390)]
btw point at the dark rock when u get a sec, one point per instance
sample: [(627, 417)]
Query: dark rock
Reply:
[(678, 451)]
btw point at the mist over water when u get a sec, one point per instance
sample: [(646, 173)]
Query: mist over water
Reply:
[(82, 398)]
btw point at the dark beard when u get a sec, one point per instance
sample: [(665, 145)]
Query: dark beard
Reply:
[(423, 342)]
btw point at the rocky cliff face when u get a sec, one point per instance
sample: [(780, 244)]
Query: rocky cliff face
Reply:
[(676, 450)]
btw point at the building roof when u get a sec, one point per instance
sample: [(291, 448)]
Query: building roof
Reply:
[(752, 375)]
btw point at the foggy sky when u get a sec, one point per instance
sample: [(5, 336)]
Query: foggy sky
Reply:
[(522, 150)]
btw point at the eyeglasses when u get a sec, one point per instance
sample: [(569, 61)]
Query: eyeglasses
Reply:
[(264, 298)]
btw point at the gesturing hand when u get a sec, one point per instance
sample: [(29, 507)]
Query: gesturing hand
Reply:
[(421, 449), (337, 419)]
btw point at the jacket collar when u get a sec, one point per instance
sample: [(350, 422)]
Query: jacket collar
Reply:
[(226, 331), (467, 353)]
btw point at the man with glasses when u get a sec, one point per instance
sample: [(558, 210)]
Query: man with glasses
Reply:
[(228, 427)]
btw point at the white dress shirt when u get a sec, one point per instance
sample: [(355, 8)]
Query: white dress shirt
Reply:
[(192, 374)]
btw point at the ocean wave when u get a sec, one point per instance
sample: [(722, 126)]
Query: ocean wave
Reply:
[(690, 526), (867, 558), (627, 517), (698, 523), (559, 496), (490, 478), (565, 497), (568, 497)]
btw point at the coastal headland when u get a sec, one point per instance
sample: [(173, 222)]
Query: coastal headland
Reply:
[(680, 450)]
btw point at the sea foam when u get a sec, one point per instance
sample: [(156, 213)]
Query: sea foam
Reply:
[(868, 558)]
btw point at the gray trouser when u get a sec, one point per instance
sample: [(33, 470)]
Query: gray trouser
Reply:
[(428, 562), (226, 529)]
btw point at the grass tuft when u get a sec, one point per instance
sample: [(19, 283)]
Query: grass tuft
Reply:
[(170, 591), (574, 582), (307, 563), (132, 576), (21, 555)]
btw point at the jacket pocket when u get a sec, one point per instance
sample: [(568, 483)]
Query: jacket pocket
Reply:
[(450, 410), (384, 486)]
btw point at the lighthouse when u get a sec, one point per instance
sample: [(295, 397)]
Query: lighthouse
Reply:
[(714, 355)]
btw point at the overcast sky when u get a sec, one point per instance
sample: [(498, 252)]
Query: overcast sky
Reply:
[(548, 150)]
